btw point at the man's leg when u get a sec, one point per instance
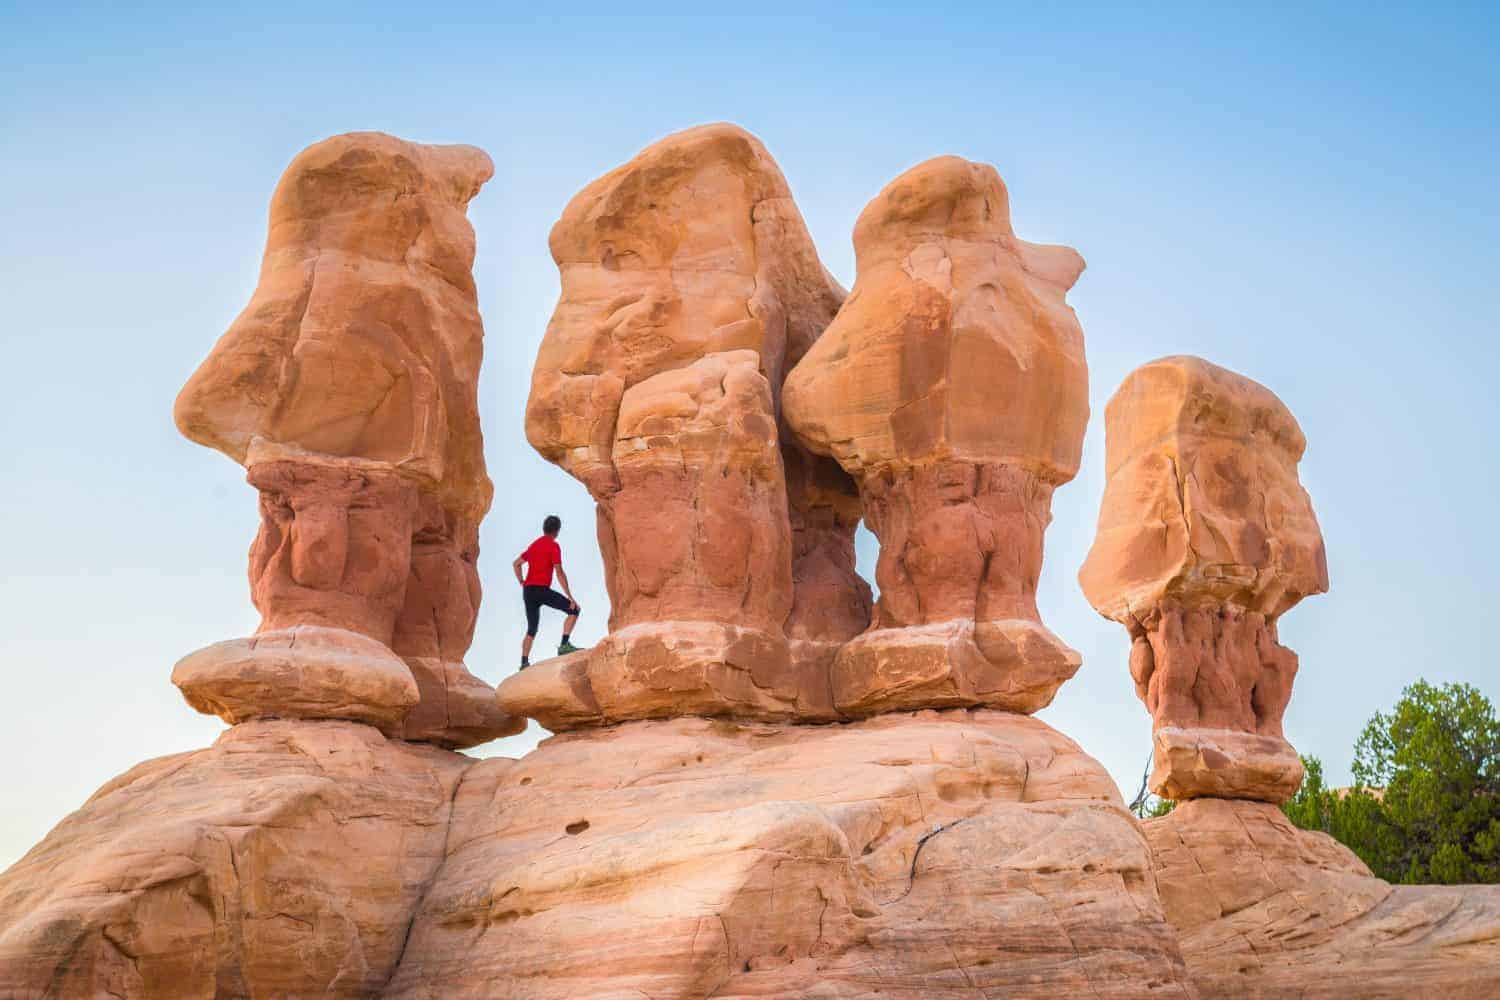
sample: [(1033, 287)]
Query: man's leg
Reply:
[(533, 620), (571, 609)]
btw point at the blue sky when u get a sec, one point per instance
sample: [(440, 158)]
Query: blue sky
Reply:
[(1307, 197)]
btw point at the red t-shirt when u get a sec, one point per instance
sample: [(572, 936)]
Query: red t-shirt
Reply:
[(543, 555)]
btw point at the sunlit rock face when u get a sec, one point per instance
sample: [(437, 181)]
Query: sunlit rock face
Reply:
[(1206, 537), (1264, 910), (689, 284), (952, 387), (921, 855), (348, 388)]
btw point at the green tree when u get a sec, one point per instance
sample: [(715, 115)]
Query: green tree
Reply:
[(1426, 802)]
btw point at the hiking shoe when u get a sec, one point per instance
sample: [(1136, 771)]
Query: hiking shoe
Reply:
[(568, 647)]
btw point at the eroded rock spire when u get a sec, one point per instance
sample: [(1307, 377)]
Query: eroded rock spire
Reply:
[(348, 390), (1206, 537), (952, 387)]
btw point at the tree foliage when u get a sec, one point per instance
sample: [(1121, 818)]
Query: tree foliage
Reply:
[(1425, 807)]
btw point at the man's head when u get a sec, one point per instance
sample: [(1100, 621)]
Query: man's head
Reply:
[(552, 525)]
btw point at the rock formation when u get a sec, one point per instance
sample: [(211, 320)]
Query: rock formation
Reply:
[(702, 826), (1205, 539), (689, 283), (348, 390), (285, 860), (912, 856), (952, 387), (1264, 911)]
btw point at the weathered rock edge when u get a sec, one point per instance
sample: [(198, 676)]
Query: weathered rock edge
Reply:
[(299, 858)]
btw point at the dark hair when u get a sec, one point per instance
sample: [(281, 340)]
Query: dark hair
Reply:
[(552, 525)]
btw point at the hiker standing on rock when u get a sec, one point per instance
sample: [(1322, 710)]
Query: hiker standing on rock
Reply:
[(541, 558)]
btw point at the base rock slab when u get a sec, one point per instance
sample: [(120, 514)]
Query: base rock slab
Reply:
[(283, 861), (1265, 910), (919, 855)]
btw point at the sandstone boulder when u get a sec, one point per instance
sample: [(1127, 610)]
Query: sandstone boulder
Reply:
[(1205, 538), (929, 855), (689, 284), (952, 387), (306, 672), (348, 389), (286, 860), (1265, 910)]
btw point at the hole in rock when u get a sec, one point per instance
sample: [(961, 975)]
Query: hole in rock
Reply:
[(574, 829)]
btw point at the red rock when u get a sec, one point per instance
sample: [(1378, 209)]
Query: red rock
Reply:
[(956, 462), (688, 264), (348, 389), (1205, 539), (1265, 910)]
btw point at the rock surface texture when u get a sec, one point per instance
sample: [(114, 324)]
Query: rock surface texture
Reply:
[(348, 390), (939, 854), (952, 387), (1206, 537), (1265, 910), (689, 285), (284, 861)]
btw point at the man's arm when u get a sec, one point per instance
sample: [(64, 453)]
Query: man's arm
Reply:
[(517, 567), (562, 578)]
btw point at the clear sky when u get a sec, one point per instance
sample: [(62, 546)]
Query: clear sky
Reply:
[(1306, 197)]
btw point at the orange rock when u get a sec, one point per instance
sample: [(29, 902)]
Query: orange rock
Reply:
[(910, 856), (306, 672), (1205, 538), (1265, 910), (952, 386), (689, 284), (363, 338), (285, 860), (348, 389)]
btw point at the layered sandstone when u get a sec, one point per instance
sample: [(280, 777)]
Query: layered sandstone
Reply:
[(1264, 910), (348, 389), (927, 855), (285, 860), (952, 387), (689, 284), (1206, 537)]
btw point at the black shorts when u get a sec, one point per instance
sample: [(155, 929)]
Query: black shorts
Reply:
[(535, 597)]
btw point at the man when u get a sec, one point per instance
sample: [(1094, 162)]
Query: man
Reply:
[(541, 558)]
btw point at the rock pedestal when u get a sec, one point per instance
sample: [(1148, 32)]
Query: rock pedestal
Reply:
[(1205, 538), (348, 390), (952, 387)]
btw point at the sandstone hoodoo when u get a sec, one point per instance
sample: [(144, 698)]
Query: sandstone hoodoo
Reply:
[(348, 390), (689, 285), (914, 854), (952, 387), (1205, 539), (758, 787)]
